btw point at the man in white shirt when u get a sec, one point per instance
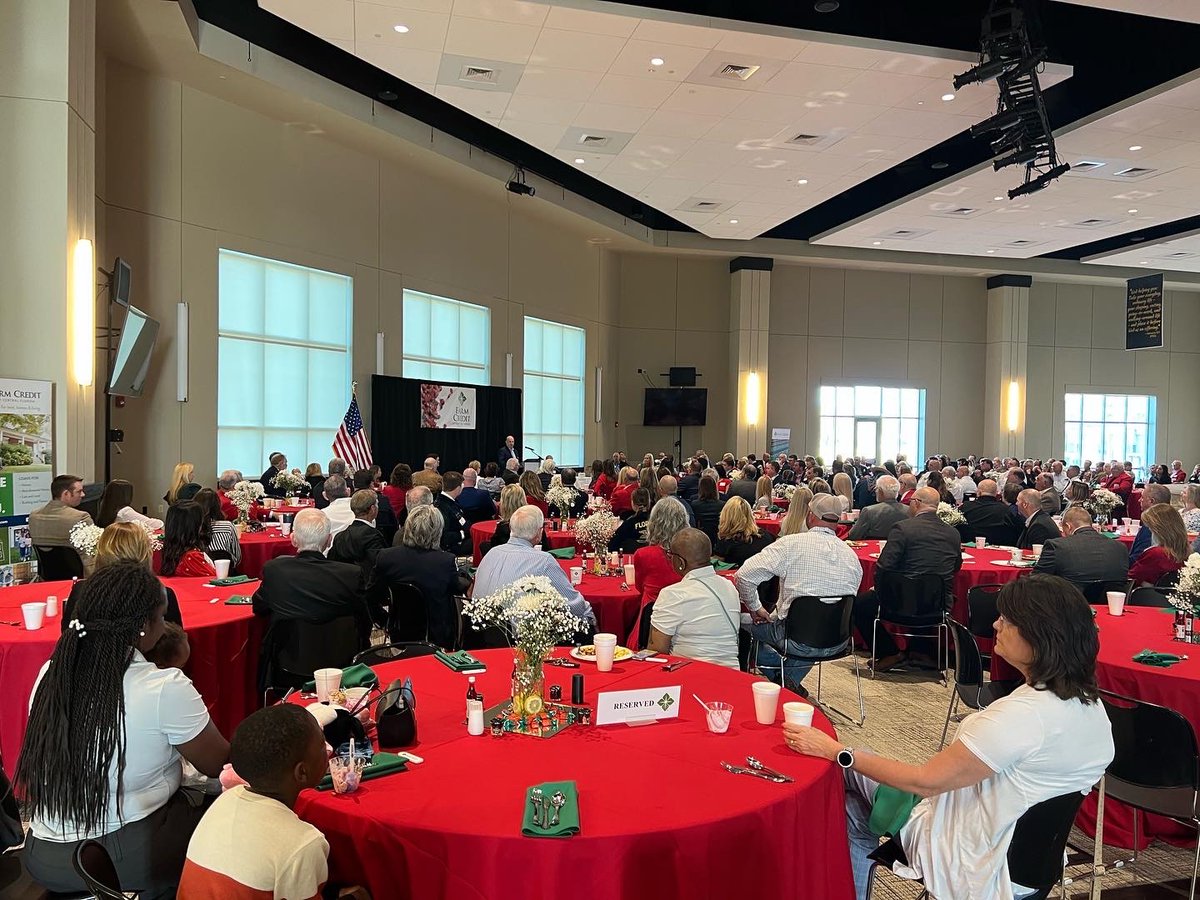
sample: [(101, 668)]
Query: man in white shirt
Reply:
[(338, 511), (815, 563), (698, 617), (1060, 478), (966, 484)]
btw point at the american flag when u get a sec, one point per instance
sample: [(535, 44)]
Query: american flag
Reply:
[(351, 443)]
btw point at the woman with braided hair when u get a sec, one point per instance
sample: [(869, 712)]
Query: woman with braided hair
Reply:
[(107, 728)]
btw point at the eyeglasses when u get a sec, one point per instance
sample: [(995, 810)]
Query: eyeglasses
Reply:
[(673, 555)]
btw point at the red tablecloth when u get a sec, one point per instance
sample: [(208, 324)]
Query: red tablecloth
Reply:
[(769, 525), (260, 547), (616, 610), (485, 531), (1177, 687), (262, 512), (660, 819), (225, 643)]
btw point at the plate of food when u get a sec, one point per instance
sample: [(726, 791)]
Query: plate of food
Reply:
[(587, 653)]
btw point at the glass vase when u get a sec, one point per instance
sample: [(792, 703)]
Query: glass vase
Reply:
[(528, 681)]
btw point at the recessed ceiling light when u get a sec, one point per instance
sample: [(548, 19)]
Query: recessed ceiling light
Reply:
[(1132, 212), (733, 221), (657, 61), (801, 181), (939, 165), (579, 161), (997, 198), (387, 95), (876, 243), (826, 6), (1136, 147), (402, 29), (991, 251), (1144, 262), (947, 97)]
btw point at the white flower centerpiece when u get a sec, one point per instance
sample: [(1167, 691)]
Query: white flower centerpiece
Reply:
[(1186, 596), (562, 498), (594, 532), (288, 482), (534, 618), (84, 536), (1101, 504), (950, 515), (243, 495), (784, 491)]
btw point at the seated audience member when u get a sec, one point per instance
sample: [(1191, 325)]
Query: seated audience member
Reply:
[(512, 498), (570, 479), (1159, 474), (667, 487), (278, 464), (1076, 494), (121, 542), (172, 651), (1191, 508), (1039, 526), (109, 769), (490, 480), (796, 520), (1083, 555), (1169, 549), (428, 476), (417, 496), (763, 498), (698, 616), (908, 486), (519, 558), (115, 507), (399, 484), (745, 487), (385, 517), (220, 538), (314, 478), (182, 486), (360, 543), (967, 485), (511, 473), (337, 506), (652, 567), (1194, 478), (418, 559), (876, 520), (707, 507), (689, 484), (1047, 738), (1119, 481), (50, 525), (1151, 495), (225, 484), (937, 481), (1178, 475), (477, 505), (456, 537), (989, 517), (546, 471), (621, 499), (814, 563), (250, 844), (535, 495), (183, 542), (630, 535), (843, 487), (738, 537), (1012, 490), (1051, 498)]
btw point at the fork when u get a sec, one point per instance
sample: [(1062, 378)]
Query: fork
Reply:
[(759, 767)]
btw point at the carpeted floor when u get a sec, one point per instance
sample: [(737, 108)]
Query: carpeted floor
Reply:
[(905, 713)]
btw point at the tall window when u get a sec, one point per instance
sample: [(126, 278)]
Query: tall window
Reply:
[(872, 422), (446, 340), (283, 361), (1103, 427), (554, 358)]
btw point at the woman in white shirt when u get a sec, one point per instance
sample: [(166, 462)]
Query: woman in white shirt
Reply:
[(1047, 738), (101, 756), (1191, 507)]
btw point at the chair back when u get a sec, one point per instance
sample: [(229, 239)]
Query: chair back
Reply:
[(385, 653), (968, 665), (1035, 856), (914, 600), (58, 563), (1155, 745), (1094, 591), (304, 647), (819, 624), (644, 625), (981, 610), (1148, 596), (95, 867), (1168, 580), (998, 535), (408, 613)]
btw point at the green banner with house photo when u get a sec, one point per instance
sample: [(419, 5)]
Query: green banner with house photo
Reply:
[(26, 467)]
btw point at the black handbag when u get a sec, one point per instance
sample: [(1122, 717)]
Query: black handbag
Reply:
[(343, 728), (395, 715)]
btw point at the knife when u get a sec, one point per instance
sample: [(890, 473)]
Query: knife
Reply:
[(671, 667), (738, 770)]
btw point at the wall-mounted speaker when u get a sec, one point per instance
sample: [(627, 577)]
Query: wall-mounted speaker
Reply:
[(682, 376)]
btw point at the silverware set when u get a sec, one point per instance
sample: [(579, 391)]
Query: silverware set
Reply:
[(758, 770), (13, 624), (542, 805)]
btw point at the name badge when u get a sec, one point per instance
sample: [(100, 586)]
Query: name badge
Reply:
[(637, 707)]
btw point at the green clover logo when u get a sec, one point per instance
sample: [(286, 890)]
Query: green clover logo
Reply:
[(666, 702)]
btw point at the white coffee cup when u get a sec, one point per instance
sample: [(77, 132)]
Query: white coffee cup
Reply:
[(285, 528), (1116, 603), (797, 713), (1037, 549), (606, 646), (1017, 554), (33, 613), (327, 681), (980, 543), (222, 567), (630, 577), (766, 701), (576, 575), (51, 606)]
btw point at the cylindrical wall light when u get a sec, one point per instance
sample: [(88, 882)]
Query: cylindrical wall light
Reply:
[(83, 312), (599, 387), (379, 338), (1014, 405), (752, 398), (181, 352), (508, 370)]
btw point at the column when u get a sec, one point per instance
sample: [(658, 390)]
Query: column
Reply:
[(1005, 381), (48, 195), (749, 330)]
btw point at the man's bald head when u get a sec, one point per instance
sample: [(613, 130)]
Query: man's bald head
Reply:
[(1075, 518), (988, 488), (1029, 501), (693, 547), (928, 498), (908, 481), (1155, 493)]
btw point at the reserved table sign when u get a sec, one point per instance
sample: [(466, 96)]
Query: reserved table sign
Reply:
[(637, 707)]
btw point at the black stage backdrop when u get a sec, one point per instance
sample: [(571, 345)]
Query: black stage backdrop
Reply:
[(396, 435)]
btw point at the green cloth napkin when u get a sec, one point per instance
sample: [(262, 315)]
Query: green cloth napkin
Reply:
[(564, 553), (232, 579), (568, 816), (352, 677), (724, 566), (382, 764), (890, 809), (1158, 660), (458, 661), (239, 600)]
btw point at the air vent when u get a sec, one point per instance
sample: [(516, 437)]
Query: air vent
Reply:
[(804, 140), (736, 72), (1134, 172), (1180, 254), (1086, 165), (1023, 242), (957, 212), (904, 234), (593, 140), (479, 75), (704, 205), (1092, 223)]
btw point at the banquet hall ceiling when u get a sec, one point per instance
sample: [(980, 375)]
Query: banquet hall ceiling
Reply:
[(848, 133)]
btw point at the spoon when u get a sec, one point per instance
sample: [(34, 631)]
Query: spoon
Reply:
[(759, 767), (535, 797), (702, 703), (558, 801)]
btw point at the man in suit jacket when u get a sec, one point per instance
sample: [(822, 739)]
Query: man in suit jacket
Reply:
[(745, 486), (278, 464), (989, 517), (1039, 527), (477, 505), (1083, 554), (428, 476), (507, 452), (689, 484), (876, 521), (455, 530), (50, 526), (1051, 498), (511, 473), (864, 489), (360, 542), (385, 517), (920, 545)]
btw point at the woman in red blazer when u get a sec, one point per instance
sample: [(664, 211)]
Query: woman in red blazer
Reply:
[(1170, 547), (534, 495)]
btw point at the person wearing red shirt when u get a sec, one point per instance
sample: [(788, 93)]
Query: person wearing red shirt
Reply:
[(652, 568), (1170, 545), (183, 553), (228, 479), (399, 484), (1178, 476), (622, 495), (1118, 481), (534, 495), (605, 478)]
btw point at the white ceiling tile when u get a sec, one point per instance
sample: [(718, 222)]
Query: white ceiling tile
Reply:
[(348, 46), (678, 61), (737, 130), (883, 88), (560, 84), (926, 66), (699, 221), (593, 163), (841, 55), (515, 11), (606, 117), (566, 18), (485, 104), (908, 123), (800, 79), (539, 134), (768, 46), (624, 90), (646, 146), (437, 6), (419, 66), (576, 50), (763, 107), (545, 110), (677, 34), (631, 183), (491, 40), (376, 24), (638, 168), (703, 100), (328, 19), (668, 123)]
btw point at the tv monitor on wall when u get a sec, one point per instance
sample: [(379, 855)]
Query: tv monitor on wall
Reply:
[(676, 407), (132, 362)]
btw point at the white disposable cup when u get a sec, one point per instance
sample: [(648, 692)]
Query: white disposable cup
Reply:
[(1037, 549), (1127, 520), (33, 613), (1134, 526), (1116, 603), (576, 575), (980, 543), (285, 528), (222, 567), (606, 646), (51, 606), (327, 681), (474, 717), (1017, 554), (718, 717), (630, 577), (797, 713), (766, 701)]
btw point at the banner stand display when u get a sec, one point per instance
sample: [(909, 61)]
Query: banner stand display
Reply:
[(26, 467)]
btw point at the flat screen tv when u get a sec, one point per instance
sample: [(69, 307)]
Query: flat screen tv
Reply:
[(676, 407), (132, 362)]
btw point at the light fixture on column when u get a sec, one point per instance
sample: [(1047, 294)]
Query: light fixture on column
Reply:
[(379, 339), (83, 312), (1014, 402), (752, 397), (508, 370), (599, 388), (181, 352)]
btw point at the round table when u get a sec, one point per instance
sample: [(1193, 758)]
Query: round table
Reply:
[(260, 512), (1177, 687), (769, 525), (260, 547), (485, 531), (225, 642), (659, 816), (616, 610)]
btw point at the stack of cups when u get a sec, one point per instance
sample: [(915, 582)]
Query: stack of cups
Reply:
[(630, 577), (766, 701), (327, 681), (797, 713), (606, 646), (51, 606)]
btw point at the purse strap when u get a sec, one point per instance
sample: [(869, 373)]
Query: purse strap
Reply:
[(720, 606)]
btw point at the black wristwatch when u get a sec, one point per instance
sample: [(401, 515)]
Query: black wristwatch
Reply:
[(845, 758)]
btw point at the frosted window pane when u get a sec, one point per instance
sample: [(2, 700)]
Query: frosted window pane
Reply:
[(416, 325), (844, 442), (1073, 407), (291, 442), (552, 350), (910, 403), (891, 403), (845, 401), (1139, 409), (1093, 407), (828, 428), (909, 439), (533, 403), (284, 386), (328, 309), (533, 346), (414, 369), (1114, 408), (573, 353), (241, 449), (443, 329), (240, 287), (1072, 447), (889, 437), (827, 402), (240, 363), (326, 380), (1114, 441), (441, 372), (286, 303), (552, 399), (1093, 442), (866, 401), (473, 336)]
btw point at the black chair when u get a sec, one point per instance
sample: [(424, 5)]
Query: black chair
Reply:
[(913, 601), (385, 653), (1149, 596), (817, 623), (303, 647), (969, 685), (644, 625), (1156, 767), (58, 563), (982, 613), (1094, 591), (1035, 854), (408, 614), (93, 864), (1168, 580)]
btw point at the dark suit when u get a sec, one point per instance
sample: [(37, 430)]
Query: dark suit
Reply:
[(744, 488), (385, 519), (455, 530), (1141, 543), (1084, 556), (864, 493), (510, 477), (689, 487), (505, 455), (358, 544), (434, 572), (708, 516), (876, 521), (265, 481), (1041, 528), (990, 517), (476, 505)]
